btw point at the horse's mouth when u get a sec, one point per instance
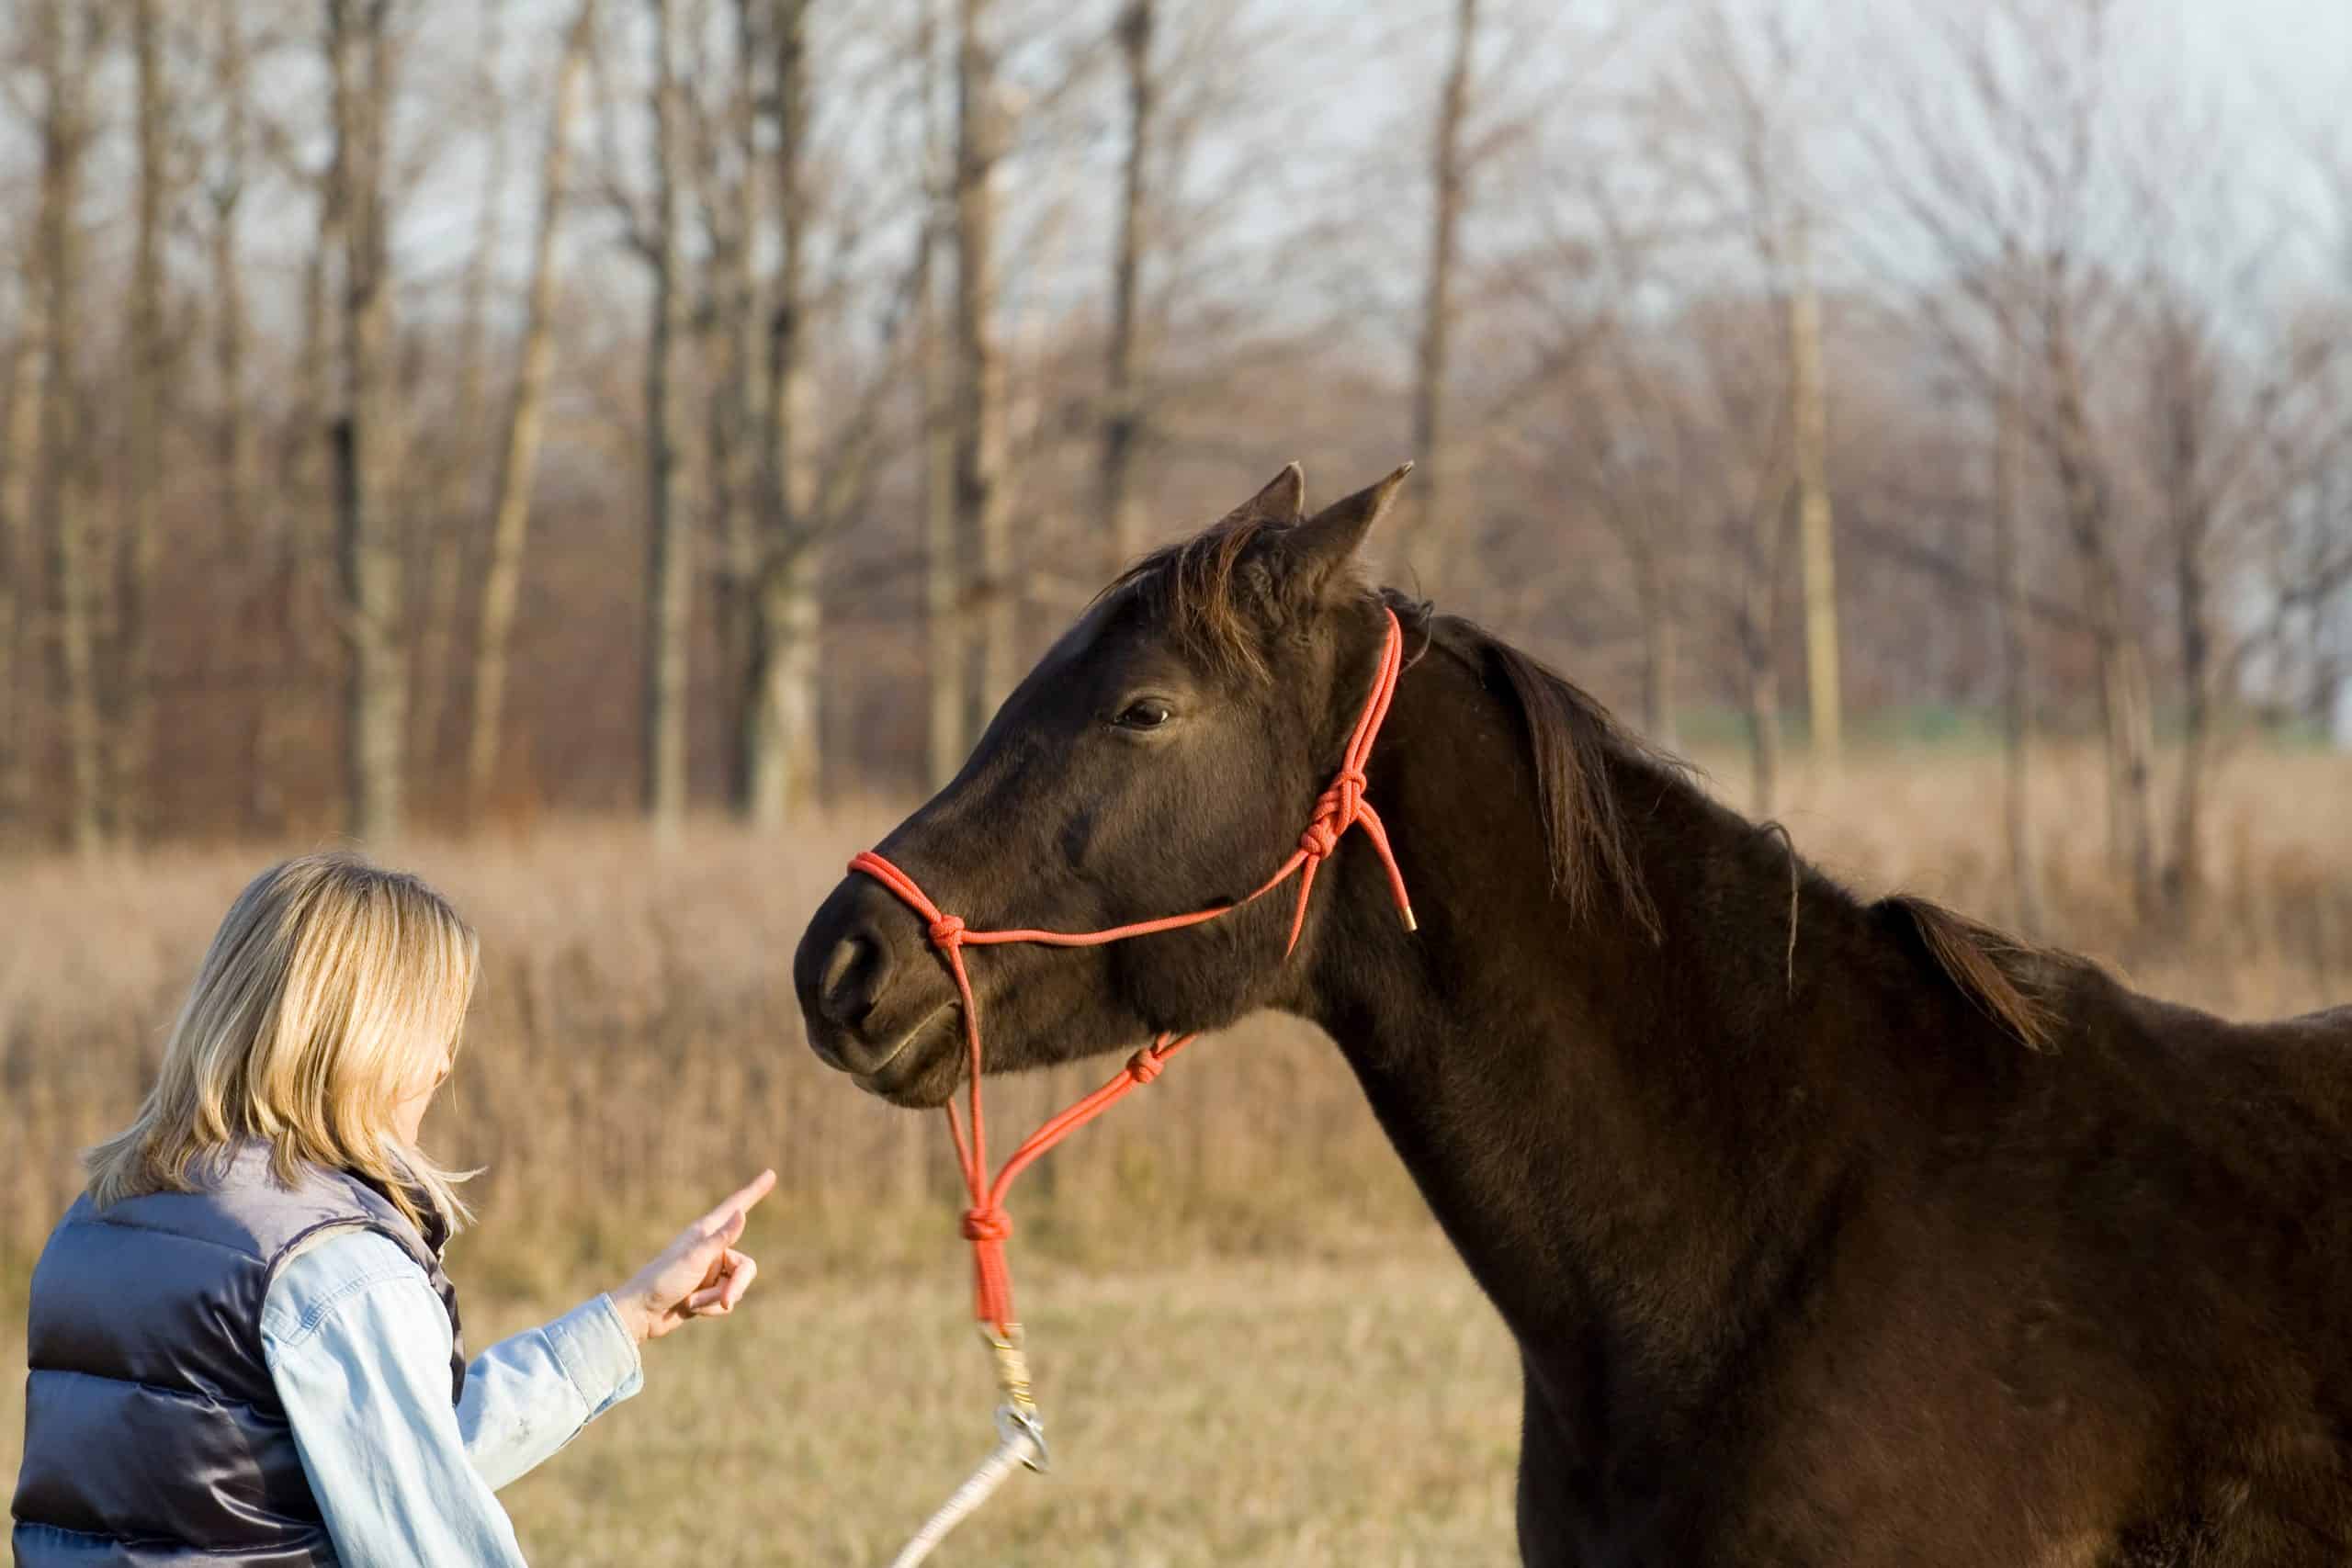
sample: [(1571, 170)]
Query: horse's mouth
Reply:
[(926, 1067)]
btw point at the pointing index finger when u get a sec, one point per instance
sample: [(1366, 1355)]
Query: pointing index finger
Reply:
[(741, 1200)]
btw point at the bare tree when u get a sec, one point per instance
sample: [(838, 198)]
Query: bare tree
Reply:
[(730, 179), (944, 739), (1449, 175), (781, 757), (153, 362), (2232, 439), (2002, 167), (669, 578), (1623, 435), (1123, 411), (1730, 111), (982, 523), (1756, 453), (66, 44), (236, 449), (945, 673), (444, 543), (1809, 407), (375, 688), (2087, 499), (292, 601), (2183, 392), (518, 452), (2017, 673), (20, 460)]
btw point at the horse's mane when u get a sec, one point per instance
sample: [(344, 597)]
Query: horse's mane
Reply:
[(1572, 737), (1204, 591), (2004, 975)]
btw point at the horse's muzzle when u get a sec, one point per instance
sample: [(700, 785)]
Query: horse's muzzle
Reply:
[(864, 991)]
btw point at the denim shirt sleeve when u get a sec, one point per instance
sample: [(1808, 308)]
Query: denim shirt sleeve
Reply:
[(358, 1349)]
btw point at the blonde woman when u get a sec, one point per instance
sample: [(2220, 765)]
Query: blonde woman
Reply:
[(243, 1347)]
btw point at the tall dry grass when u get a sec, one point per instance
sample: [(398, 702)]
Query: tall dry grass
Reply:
[(636, 1043)]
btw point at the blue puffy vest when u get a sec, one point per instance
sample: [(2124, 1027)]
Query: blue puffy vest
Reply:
[(153, 1435)]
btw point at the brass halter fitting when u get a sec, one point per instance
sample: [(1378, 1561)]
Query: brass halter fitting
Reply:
[(1018, 1415)]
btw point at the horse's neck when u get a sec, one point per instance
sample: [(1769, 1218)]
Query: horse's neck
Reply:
[(1621, 1135)]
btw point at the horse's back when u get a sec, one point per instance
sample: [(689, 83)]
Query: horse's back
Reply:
[(2208, 1262)]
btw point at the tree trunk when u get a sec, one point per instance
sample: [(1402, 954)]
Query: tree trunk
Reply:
[(367, 539), (982, 525), (2124, 710), (947, 661), (1416, 542), (446, 541), (61, 495), (519, 451), (1756, 625), (2191, 529), (781, 756), (150, 364), (18, 460), (2016, 798), (947, 670), (1656, 589), (1763, 695), (669, 572), (297, 591), (236, 451), (740, 414), (2328, 712), (1122, 420), (1811, 426)]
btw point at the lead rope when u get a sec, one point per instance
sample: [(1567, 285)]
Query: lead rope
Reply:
[(1021, 1430)]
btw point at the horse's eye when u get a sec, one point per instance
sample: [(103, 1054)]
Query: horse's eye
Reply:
[(1149, 713)]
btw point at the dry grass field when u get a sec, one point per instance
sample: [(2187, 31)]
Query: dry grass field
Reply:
[(1252, 1346), (1257, 1412)]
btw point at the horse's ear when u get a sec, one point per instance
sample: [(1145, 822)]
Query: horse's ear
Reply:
[(1323, 544), (1283, 501)]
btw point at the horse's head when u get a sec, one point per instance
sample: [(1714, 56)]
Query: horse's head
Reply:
[(1161, 759)]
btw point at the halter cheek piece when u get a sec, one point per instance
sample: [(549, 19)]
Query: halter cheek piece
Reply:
[(986, 1227)]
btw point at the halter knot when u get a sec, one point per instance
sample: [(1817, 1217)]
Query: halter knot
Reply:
[(1336, 810), (1146, 1065), (947, 931), (987, 1224)]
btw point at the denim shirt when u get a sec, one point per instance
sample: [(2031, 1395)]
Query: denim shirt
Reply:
[(358, 1348)]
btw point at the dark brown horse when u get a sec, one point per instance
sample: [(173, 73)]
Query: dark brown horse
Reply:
[(1831, 1231)]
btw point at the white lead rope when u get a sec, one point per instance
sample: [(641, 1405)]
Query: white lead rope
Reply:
[(1020, 1443)]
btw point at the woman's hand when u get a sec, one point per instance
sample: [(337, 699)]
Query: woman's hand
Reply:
[(698, 1275)]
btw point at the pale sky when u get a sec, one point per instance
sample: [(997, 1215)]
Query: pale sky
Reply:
[(2304, 47)]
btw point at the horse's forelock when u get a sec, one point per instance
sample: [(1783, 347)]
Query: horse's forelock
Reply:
[(1194, 590)]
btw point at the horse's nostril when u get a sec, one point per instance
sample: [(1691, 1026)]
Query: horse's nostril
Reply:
[(846, 953), (852, 979)]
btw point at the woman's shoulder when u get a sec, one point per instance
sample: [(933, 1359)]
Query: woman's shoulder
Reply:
[(332, 1267)]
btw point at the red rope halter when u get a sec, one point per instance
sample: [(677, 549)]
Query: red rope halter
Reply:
[(1340, 807)]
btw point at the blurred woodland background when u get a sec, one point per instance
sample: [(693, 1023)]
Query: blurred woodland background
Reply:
[(424, 413), (612, 455)]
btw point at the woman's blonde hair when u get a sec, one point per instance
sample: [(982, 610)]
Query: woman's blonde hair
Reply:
[(331, 989)]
